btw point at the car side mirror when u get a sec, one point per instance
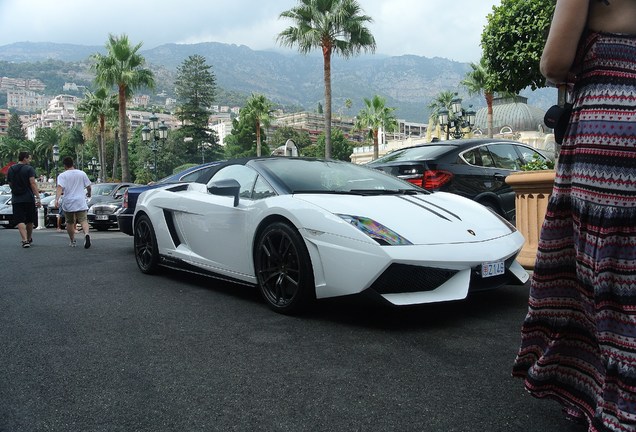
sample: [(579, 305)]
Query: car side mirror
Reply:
[(226, 187)]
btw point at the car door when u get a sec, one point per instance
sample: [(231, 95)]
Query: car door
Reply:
[(218, 234), (503, 159), (470, 179)]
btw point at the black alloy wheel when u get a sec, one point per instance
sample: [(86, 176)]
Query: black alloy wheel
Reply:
[(283, 269), (145, 245)]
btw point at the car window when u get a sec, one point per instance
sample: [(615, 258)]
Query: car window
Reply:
[(487, 159), (505, 156), (246, 177), (527, 154), (102, 189), (262, 189), (472, 157), (425, 152)]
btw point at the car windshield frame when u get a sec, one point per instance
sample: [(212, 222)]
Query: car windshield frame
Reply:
[(306, 175)]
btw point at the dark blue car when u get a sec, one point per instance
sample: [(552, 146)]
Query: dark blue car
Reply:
[(198, 174)]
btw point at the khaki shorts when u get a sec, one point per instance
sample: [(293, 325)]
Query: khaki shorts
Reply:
[(75, 217)]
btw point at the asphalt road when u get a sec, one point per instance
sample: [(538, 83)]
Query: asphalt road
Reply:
[(88, 343)]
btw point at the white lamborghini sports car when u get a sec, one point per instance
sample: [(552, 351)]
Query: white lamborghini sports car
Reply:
[(302, 229)]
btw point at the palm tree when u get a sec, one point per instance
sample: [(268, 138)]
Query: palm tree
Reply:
[(122, 67), (45, 139), (97, 108), (477, 81), (334, 26), (375, 116), (259, 107)]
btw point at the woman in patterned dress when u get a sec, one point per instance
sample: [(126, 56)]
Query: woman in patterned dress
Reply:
[(578, 341)]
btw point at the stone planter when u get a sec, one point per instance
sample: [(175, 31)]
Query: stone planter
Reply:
[(532, 191)]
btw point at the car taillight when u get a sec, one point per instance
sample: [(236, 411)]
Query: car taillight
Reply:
[(432, 179), (125, 204)]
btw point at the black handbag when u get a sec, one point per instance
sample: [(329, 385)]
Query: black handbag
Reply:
[(558, 116)]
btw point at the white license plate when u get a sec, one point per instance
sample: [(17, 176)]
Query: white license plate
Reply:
[(101, 217), (493, 269)]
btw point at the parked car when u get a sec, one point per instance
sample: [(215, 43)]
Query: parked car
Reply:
[(6, 211), (103, 216), (105, 204), (473, 168), (302, 228), (199, 173)]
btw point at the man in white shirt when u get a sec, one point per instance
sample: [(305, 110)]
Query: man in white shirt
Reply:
[(76, 187)]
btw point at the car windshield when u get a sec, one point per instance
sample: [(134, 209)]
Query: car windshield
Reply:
[(321, 176), (4, 199), (424, 152), (102, 189)]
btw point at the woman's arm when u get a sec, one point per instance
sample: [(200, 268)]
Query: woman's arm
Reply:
[(568, 22)]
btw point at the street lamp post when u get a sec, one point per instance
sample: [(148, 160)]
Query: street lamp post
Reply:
[(95, 167), (158, 133), (56, 157), (458, 119)]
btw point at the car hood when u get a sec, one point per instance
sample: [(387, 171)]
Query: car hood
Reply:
[(437, 218)]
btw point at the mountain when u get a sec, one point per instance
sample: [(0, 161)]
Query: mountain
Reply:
[(408, 82)]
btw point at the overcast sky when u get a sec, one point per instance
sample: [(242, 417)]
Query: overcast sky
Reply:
[(431, 28)]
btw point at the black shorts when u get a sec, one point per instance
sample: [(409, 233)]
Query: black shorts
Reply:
[(24, 213)]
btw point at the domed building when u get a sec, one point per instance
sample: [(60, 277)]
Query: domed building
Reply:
[(513, 118)]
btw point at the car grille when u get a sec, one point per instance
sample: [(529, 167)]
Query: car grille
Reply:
[(103, 210), (402, 278)]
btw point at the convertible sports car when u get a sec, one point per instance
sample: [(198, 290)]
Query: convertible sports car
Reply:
[(302, 229)]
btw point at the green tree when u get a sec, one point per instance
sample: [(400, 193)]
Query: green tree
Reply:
[(342, 147), (334, 26), (259, 108), (45, 139), (375, 116), (97, 108), (512, 42), (478, 81), (122, 67), (280, 136), (195, 87), (242, 140), (14, 128)]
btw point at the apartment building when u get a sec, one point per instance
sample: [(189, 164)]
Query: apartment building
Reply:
[(5, 115)]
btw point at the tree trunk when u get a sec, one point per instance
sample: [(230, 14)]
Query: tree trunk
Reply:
[(375, 144), (258, 138), (101, 150), (326, 54), (489, 98), (123, 131), (115, 158)]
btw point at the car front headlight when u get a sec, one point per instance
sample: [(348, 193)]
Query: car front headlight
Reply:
[(378, 232)]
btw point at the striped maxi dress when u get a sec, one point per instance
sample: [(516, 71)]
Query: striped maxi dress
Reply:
[(578, 340)]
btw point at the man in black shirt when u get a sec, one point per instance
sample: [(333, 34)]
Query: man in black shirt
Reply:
[(25, 196)]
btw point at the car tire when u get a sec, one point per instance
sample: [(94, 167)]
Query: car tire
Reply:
[(145, 245), (283, 269)]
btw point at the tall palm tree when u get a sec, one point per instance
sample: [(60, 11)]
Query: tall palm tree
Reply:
[(478, 81), (259, 107), (97, 108), (122, 67), (375, 116), (334, 26)]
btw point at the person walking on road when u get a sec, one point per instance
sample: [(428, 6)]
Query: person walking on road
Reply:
[(578, 340), (25, 196), (76, 187)]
